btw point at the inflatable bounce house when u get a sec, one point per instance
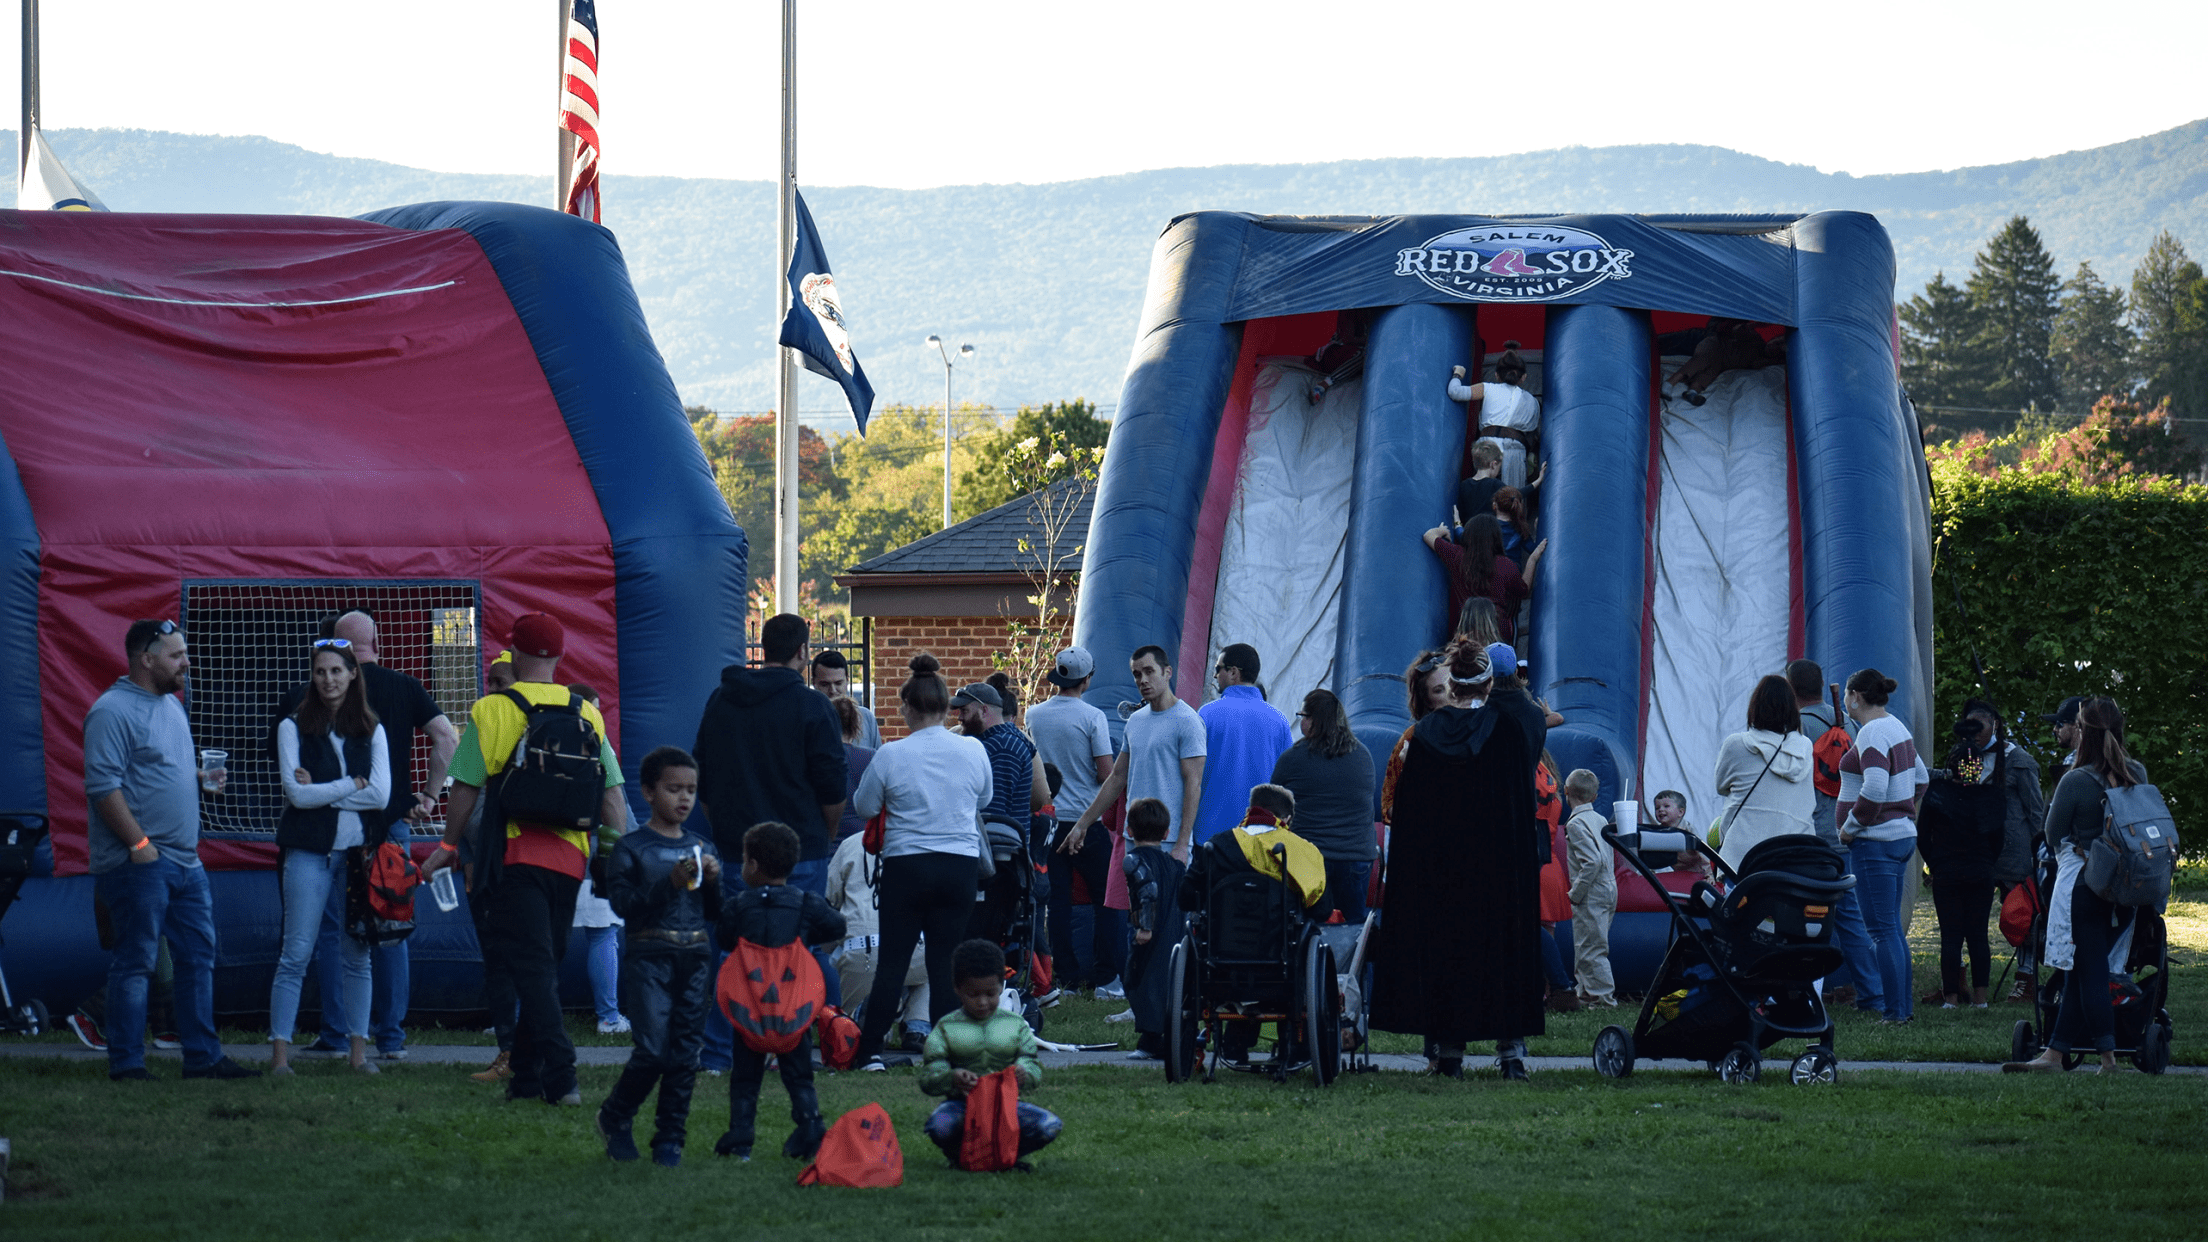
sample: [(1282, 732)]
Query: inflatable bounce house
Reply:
[(1286, 433), (448, 414)]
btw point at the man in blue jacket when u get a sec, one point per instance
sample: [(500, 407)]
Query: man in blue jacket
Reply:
[(770, 749), (1244, 737)]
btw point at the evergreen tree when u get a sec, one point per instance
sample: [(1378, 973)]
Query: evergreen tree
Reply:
[(2012, 292), (1938, 359), (2093, 346), (2161, 287)]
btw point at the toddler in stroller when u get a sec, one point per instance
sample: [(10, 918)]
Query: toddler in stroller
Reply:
[(1008, 913), (1742, 969)]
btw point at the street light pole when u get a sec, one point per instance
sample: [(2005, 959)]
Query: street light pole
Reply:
[(964, 351)]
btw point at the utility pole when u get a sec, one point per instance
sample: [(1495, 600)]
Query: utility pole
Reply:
[(564, 163), (785, 361), (30, 93)]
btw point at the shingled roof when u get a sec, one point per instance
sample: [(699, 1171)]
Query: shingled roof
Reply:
[(988, 543)]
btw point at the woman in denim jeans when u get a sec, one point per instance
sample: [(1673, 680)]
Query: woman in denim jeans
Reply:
[(337, 778), (1881, 783)]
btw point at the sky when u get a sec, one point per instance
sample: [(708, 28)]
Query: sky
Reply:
[(908, 96)]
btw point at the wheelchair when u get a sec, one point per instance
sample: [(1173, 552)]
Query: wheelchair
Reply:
[(1251, 955)]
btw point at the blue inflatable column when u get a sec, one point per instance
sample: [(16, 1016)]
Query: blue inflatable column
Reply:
[(1410, 440), (1590, 590), (1866, 552), (22, 739), (1142, 536)]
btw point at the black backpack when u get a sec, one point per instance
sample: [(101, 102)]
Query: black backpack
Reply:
[(555, 778)]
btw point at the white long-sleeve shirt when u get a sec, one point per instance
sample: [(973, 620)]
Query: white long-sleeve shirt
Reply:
[(934, 784), (349, 799)]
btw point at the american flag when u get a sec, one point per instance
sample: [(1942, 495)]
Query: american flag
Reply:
[(579, 108)]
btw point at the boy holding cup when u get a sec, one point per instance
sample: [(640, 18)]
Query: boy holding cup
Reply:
[(665, 883)]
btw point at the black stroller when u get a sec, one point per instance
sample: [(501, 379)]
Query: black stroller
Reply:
[(1008, 911), (2139, 993), (19, 838), (1742, 969)]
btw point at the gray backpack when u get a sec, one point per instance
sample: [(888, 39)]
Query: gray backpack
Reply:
[(2131, 862)]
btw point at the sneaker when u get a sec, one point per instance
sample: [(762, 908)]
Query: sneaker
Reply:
[(1514, 1069), (620, 1144), (86, 1030), (874, 1065), (667, 1155), (1124, 1015), (137, 1074), (1048, 999), (225, 1068), (168, 1041), (1111, 991), (1141, 1055), (1953, 1005), (500, 1069), (727, 1145), (573, 1099), (619, 1026), (395, 1054)]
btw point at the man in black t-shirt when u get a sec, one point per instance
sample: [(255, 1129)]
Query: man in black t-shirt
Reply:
[(403, 706)]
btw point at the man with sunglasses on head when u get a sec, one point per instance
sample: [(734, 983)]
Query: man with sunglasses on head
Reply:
[(141, 776), (403, 706)]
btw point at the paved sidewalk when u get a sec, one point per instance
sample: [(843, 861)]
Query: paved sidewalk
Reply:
[(477, 1055)]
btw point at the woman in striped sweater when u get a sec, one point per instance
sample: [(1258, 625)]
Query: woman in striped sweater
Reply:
[(1881, 782)]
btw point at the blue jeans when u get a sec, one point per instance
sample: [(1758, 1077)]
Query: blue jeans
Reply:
[(1038, 1126), (1881, 876), (605, 971), (145, 903), (720, 1037), (392, 971), (310, 881), (1556, 954), (1345, 882)]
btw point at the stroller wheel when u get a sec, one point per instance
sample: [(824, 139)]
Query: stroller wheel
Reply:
[(2023, 1041), (1614, 1052), (2154, 1049), (1816, 1066), (1741, 1063)]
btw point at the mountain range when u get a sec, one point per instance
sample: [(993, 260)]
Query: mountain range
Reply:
[(1046, 281)]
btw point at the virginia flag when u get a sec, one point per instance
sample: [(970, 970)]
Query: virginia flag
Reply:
[(47, 186), (815, 326)]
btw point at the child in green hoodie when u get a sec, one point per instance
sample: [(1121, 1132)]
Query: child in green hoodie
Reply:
[(975, 1039)]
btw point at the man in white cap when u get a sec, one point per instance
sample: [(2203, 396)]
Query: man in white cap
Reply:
[(1073, 735)]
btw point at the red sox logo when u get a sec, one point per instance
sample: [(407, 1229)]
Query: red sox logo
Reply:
[(1514, 263)]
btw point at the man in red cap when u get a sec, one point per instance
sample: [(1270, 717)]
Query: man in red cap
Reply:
[(528, 875)]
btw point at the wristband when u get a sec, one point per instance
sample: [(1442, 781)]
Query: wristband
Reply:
[(143, 842)]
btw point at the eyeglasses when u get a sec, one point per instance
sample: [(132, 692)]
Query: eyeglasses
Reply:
[(160, 632), (342, 644)]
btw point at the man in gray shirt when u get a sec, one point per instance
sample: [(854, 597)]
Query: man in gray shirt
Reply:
[(1074, 735), (1164, 758), (142, 780)]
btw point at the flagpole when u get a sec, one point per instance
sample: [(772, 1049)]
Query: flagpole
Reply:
[(785, 402), (564, 163), (30, 92)]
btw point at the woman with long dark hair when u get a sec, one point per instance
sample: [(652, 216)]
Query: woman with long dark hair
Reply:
[(1330, 772), (2081, 925), (933, 784), (336, 774), (1461, 959), (1881, 780), (1765, 774), (1477, 569)]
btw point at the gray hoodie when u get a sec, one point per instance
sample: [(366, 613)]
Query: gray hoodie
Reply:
[(1783, 799)]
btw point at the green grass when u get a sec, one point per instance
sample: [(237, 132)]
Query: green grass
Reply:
[(421, 1153)]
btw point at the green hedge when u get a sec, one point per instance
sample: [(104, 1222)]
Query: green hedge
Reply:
[(2053, 575)]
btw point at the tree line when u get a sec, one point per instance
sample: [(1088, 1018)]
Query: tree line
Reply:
[(2016, 339)]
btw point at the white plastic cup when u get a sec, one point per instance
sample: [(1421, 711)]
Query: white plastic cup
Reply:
[(213, 764), (697, 866), (1627, 816), (445, 891)]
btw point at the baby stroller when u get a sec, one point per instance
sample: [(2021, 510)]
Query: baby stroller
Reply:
[(1742, 969), (2139, 992), (19, 838), (1008, 911), (1250, 955)]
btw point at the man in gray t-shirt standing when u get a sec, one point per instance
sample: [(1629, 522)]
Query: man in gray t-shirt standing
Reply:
[(1164, 758), (141, 777), (1076, 737)]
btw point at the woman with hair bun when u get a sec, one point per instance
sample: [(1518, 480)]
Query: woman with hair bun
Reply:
[(1882, 781), (1461, 960), (932, 785)]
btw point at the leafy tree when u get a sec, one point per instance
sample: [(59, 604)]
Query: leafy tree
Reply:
[(1006, 465), (894, 481), (741, 452), (2161, 287), (2012, 290), (2118, 440), (2092, 343), (1939, 361)]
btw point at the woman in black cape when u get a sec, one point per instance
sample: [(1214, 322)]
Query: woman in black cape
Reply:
[(1459, 955)]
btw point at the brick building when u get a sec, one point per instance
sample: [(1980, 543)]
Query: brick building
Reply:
[(951, 595)]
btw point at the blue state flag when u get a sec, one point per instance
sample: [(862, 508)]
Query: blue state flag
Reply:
[(47, 186), (815, 326)]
